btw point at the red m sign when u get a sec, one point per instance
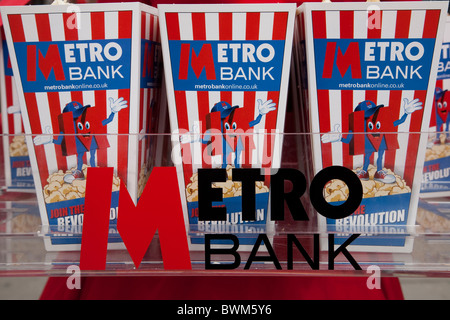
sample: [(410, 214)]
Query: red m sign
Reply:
[(344, 61), (136, 224)]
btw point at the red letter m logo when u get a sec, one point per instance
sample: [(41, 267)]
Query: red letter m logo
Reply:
[(204, 60), (159, 208), (51, 61), (344, 61)]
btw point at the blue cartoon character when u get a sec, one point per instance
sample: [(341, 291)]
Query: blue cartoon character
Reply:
[(223, 118), (375, 121), (78, 127)]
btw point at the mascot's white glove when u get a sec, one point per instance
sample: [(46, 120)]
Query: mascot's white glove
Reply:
[(266, 107), (117, 105), (332, 136), (44, 138), (411, 106), (190, 137)]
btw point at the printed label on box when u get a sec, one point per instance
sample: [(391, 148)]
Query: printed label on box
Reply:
[(369, 87), (436, 171), (89, 84), (226, 73), (18, 174)]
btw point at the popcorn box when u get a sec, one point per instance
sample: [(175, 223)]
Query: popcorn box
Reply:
[(88, 79), (434, 215), (371, 76), (226, 69), (17, 168), (436, 171)]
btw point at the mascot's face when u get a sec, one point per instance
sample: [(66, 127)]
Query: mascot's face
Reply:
[(374, 130), (83, 129), (442, 107), (229, 126), (230, 129)]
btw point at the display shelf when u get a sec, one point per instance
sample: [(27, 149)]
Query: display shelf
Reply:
[(23, 251)]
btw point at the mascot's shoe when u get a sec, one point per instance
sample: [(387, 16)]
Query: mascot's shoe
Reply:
[(362, 174), (382, 176), (75, 175)]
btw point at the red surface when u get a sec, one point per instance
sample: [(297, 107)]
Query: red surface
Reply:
[(222, 288)]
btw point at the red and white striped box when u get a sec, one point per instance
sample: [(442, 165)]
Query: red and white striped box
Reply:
[(436, 171), (17, 168), (88, 79), (227, 69), (371, 78)]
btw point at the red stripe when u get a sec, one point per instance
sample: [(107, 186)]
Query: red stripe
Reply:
[(150, 118), (270, 126), (279, 25), (122, 139), (9, 102), (198, 26), (346, 24), (16, 26), (395, 102), (431, 23), (158, 34), (413, 139), (374, 32), (225, 26), (143, 24), (173, 26), (152, 26), (249, 104), (252, 26), (347, 108), (402, 24), (43, 27), (372, 95), (183, 125), (346, 29), (98, 25), (226, 96), (141, 126), (70, 20), (203, 110), (319, 23), (35, 123), (55, 110), (323, 102), (101, 107), (125, 24), (78, 96)]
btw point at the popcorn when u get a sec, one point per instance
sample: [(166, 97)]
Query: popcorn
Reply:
[(230, 188), (432, 221), (25, 223), (438, 151), (18, 147), (144, 174), (57, 190), (337, 190)]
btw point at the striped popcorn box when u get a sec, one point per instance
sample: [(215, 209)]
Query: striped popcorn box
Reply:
[(88, 80), (436, 171), (17, 168), (227, 69), (371, 78)]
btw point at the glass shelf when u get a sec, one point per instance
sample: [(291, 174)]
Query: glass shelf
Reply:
[(23, 251)]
